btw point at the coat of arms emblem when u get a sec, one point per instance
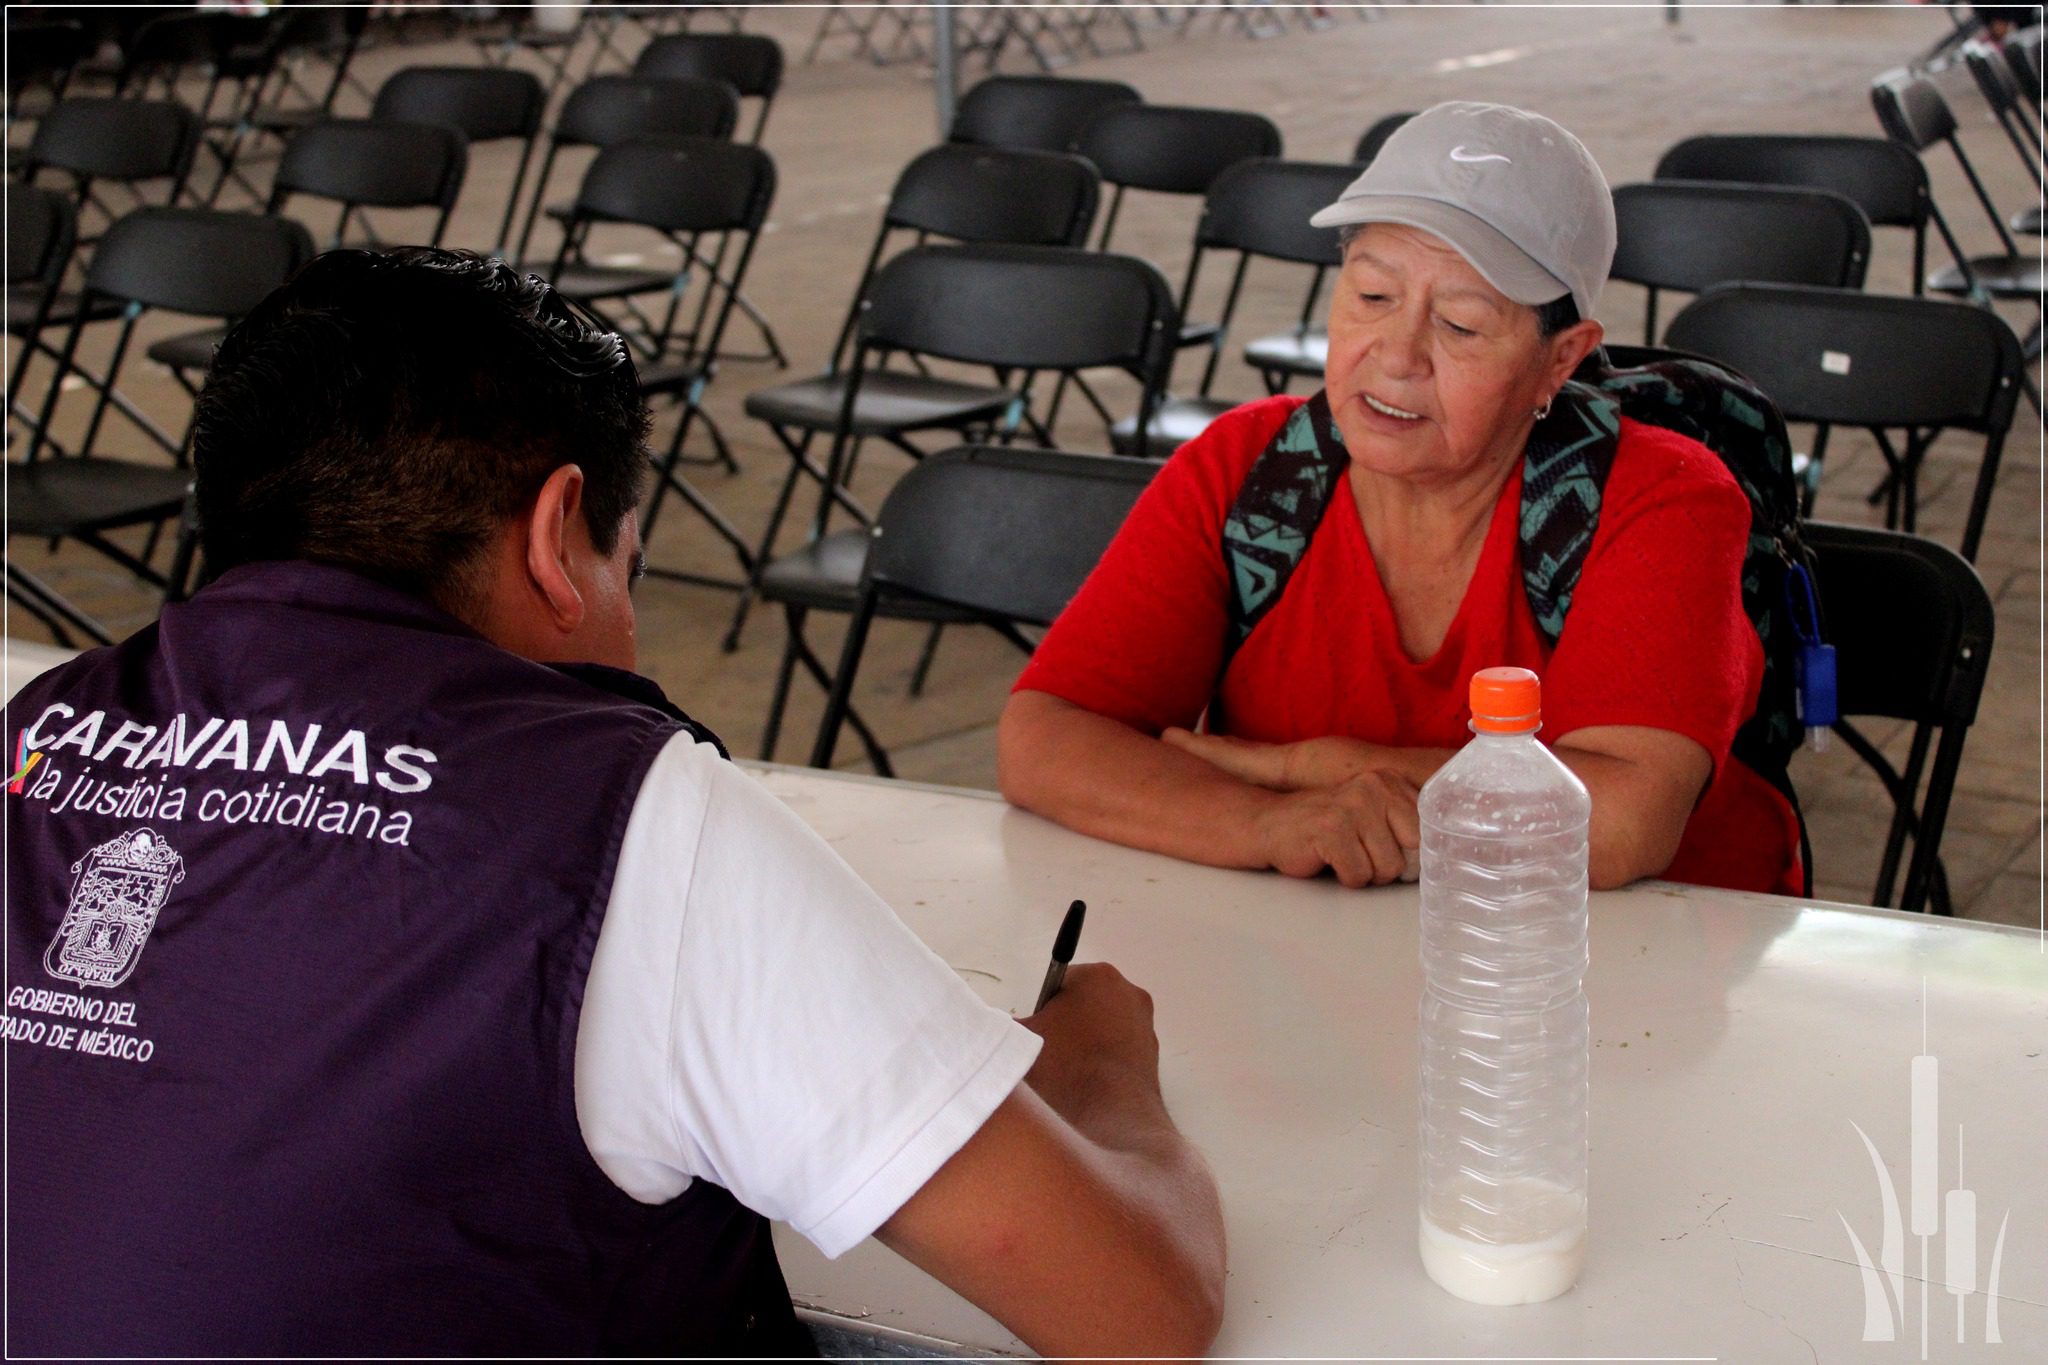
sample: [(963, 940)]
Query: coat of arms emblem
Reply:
[(116, 892)]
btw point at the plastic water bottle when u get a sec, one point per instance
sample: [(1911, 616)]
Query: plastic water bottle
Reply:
[(1503, 1020)]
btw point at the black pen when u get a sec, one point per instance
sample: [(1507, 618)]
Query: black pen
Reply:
[(1062, 953)]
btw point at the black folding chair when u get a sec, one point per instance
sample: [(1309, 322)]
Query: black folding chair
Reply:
[(127, 142), (275, 101), (1037, 310), (1169, 149), (1912, 628), (1688, 235), (1885, 180), (198, 262), (359, 163), (1000, 535), (43, 53), (1258, 210), (751, 63), (1837, 357), (374, 163), (42, 232), (1375, 137), (605, 110), (1915, 115), (960, 193), (131, 143), (708, 198), (2022, 51), (2018, 117), (164, 51), (483, 104), (553, 48), (1043, 113)]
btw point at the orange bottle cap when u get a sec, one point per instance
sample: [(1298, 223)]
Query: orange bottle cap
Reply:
[(1506, 701)]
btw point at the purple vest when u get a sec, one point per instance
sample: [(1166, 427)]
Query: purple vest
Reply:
[(302, 894)]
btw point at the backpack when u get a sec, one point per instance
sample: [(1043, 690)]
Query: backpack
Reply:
[(1564, 470)]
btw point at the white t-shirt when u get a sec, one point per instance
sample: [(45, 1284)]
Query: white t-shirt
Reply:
[(755, 1016)]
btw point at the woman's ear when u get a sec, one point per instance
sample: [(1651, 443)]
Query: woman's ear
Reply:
[(1569, 348)]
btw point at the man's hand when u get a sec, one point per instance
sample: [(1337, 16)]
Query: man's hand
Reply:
[(1365, 830), (1099, 1068), (1078, 1216)]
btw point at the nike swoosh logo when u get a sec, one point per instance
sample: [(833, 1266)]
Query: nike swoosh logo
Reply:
[(1457, 154)]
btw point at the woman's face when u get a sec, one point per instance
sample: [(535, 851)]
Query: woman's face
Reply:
[(1434, 374)]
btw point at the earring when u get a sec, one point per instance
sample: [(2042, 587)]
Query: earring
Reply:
[(1544, 411)]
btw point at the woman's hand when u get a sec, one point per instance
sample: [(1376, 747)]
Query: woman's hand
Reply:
[(1365, 830)]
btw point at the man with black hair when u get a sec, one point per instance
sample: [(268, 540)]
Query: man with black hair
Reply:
[(392, 971)]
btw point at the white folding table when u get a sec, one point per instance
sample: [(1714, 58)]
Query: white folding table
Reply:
[(1739, 1042)]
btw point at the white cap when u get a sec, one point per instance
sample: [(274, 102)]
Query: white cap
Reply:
[(1515, 194)]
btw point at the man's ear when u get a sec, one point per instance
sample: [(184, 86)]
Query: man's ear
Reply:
[(554, 520)]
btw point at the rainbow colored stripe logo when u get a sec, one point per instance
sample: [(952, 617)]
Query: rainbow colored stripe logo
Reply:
[(25, 759)]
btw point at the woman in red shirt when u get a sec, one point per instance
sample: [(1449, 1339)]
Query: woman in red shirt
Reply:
[(1474, 248)]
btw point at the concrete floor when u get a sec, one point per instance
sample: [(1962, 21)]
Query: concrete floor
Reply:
[(1622, 78)]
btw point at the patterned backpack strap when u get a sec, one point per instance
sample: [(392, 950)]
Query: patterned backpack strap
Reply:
[(1278, 507), (1564, 470)]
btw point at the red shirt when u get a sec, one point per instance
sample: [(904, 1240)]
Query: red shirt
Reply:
[(1656, 636)]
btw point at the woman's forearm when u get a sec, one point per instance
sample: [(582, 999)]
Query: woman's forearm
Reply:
[(1103, 778)]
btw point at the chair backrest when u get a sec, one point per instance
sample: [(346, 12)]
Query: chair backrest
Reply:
[(996, 194), (1867, 360), (1914, 114), (1912, 627), (42, 228), (750, 63), (1173, 149), (1911, 110), (485, 103), (182, 39), (1016, 307), (608, 109), (1042, 112), (1689, 234), (2023, 54), (679, 184), (380, 162), (44, 51), (1262, 208), (197, 261), (1994, 78), (1910, 621), (1884, 179), (1375, 137), (116, 139), (1006, 530)]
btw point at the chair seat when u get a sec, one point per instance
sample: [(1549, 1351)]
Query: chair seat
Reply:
[(64, 496), (825, 576), (191, 351), (21, 308), (2028, 220), (1178, 421), (580, 280), (668, 376), (889, 400), (1199, 333), (2005, 277), (276, 120), (1301, 353)]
